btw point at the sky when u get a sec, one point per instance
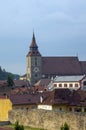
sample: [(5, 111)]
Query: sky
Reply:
[(59, 27)]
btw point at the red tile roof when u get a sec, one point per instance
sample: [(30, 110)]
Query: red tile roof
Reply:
[(61, 65), (23, 99), (58, 96)]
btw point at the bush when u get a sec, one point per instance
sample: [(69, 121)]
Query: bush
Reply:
[(65, 126), (18, 127)]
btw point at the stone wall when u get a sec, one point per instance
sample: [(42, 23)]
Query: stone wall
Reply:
[(49, 120)]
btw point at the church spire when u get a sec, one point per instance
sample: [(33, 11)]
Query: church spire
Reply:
[(33, 47), (33, 43)]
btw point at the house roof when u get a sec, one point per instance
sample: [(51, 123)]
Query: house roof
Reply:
[(20, 83), (42, 82), (56, 97), (74, 78), (61, 65), (23, 99)]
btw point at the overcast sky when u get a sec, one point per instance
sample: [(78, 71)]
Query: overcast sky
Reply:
[(59, 26)]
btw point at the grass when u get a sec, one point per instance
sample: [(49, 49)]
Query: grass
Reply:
[(25, 127)]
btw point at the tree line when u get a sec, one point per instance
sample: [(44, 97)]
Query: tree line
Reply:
[(4, 75)]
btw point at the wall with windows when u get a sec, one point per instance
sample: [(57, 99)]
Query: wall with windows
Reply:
[(70, 85)]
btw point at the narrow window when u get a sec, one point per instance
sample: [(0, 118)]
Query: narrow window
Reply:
[(35, 61)]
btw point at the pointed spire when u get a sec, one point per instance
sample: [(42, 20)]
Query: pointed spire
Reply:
[(33, 43), (33, 48)]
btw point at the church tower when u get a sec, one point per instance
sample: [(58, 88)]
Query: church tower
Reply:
[(34, 64)]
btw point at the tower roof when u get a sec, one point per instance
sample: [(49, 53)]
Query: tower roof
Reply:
[(33, 43), (33, 48)]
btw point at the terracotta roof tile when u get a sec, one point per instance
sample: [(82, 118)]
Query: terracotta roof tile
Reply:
[(61, 65)]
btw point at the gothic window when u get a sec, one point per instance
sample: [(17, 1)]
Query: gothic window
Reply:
[(35, 61)]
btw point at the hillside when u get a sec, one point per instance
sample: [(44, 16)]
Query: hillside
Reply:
[(4, 74)]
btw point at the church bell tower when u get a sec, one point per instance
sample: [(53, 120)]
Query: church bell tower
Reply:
[(34, 63)]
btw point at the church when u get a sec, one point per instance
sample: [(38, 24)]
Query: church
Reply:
[(39, 67)]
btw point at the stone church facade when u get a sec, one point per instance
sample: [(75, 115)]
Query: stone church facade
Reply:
[(46, 67)]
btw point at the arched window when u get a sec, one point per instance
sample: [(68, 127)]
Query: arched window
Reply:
[(35, 61)]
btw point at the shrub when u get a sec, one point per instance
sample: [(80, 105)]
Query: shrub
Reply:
[(65, 126), (18, 127)]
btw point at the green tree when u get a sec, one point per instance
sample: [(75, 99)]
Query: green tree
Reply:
[(10, 80), (18, 127), (65, 127)]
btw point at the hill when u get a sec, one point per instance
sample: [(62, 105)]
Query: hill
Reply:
[(4, 74)]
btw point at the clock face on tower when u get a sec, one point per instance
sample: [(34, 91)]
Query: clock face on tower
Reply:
[(36, 69)]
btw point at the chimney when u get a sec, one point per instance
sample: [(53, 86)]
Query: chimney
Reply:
[(41, 99)]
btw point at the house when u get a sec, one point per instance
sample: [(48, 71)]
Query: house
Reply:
[(5, 106), (41, 85), (61, 100), (64, 100), (71, 82), (24, 101)]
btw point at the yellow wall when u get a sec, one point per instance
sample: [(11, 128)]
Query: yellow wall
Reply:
[(5, 106), (66, 108), (60, 107)]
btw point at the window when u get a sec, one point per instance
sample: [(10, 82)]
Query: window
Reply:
[(55, 85), (70, 109), (60, 85), (65, 85), (70, 85), (76, 85), (27, 108), (84, 109), (36, 75), (60, 109), (77, 109), (35, 61), (84, 83)]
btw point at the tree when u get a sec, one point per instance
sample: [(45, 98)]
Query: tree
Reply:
[(65, 126), (10, 80), (18, 127)]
